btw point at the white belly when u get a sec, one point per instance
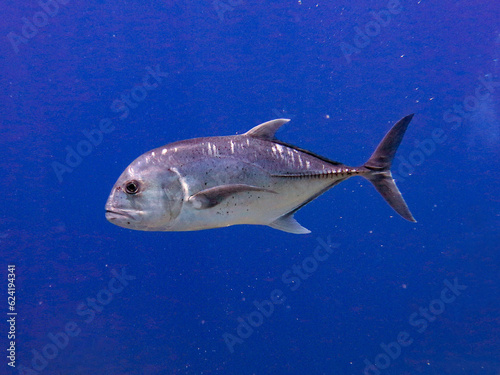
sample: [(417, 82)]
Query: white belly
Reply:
[(253, 207)]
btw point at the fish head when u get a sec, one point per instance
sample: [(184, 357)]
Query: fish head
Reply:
[(147, 196)]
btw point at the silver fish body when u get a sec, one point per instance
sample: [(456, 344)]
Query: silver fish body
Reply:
[(251, 178)]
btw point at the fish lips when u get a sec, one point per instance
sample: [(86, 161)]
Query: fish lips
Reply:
[(114, 214)]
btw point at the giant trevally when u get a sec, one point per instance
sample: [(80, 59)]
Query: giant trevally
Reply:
[(252, 178)]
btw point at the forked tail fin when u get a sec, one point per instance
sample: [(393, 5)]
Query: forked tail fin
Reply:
[(380, 163)]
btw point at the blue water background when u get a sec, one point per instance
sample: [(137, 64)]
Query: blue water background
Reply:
[(229, 70)]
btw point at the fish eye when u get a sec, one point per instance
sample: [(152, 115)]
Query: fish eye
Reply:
[(132, 187)]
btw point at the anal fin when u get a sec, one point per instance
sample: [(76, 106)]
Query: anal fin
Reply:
[(287, 223)]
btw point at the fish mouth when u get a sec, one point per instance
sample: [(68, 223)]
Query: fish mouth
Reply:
[(117, 214)]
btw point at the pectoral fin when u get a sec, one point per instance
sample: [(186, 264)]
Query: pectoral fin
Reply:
[(211, 197), (287, 223)]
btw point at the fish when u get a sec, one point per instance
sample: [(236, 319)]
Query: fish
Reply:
[(251, 178)]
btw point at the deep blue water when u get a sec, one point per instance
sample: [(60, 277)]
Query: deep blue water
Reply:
[(226, 66)]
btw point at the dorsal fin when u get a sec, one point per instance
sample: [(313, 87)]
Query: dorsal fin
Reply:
[(267, 130)]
